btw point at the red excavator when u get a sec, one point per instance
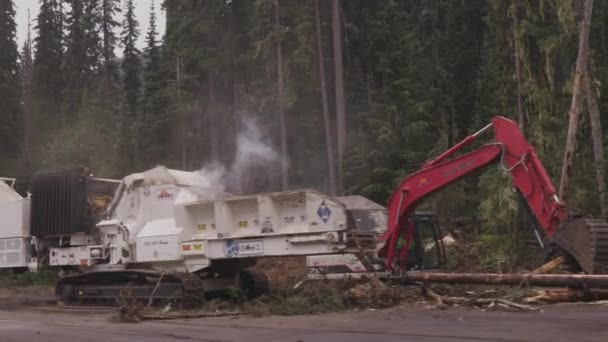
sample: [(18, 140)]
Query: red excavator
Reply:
[(585, 239)]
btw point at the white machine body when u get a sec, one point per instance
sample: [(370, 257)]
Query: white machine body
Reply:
[(15, 248), (173, 220)]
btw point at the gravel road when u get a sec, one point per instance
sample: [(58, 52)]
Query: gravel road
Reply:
[(556, 323)]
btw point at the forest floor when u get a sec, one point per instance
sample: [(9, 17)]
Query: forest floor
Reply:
[(318, 311), (311, 297)]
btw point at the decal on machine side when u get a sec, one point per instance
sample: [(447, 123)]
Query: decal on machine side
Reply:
[(324, 212), (164, 194), (235, 249)]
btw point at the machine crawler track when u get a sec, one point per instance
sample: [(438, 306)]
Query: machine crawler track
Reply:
[(586, 239), (111, 287)]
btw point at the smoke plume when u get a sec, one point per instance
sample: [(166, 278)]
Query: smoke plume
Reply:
[(254, 157)]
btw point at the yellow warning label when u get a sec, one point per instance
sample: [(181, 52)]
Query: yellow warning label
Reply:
[(202, 226), (242, 224), (213, 226), (198, 247)]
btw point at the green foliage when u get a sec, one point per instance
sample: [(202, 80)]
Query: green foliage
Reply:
[(83, 142), (41, 278), (500, 205)]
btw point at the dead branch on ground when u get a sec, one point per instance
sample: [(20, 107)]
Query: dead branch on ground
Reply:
[(444, 301)]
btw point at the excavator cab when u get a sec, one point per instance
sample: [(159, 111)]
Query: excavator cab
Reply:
[(426, 250)]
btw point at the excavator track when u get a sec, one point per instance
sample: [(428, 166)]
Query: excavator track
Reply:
[(586, 239), (110, 288)]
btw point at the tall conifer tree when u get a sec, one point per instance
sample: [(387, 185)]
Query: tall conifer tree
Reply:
[(10, 126), (131, 66)]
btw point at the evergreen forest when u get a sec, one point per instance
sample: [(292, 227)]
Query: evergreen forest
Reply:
[(346, 96)]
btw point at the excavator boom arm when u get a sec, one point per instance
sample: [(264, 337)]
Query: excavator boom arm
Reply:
[(514, 154)]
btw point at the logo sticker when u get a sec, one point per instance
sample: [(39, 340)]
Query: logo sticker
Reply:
[(423, 182), (164, 195), (324, 212), (231, 248)]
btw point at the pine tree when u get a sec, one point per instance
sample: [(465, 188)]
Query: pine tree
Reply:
[(92, 20), (47, 77), (152, 137), (27, 65), (131, 65), (10, 126), (76, 58), (109, 10)]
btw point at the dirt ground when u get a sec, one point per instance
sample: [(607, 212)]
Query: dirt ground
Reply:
[(29, 313), (38, 321)]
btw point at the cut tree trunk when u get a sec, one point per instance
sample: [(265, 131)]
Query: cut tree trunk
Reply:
[(598, 140), (576, 105), (326, 120), (574, 280), (339, 85), (549, 266), (281, 98)]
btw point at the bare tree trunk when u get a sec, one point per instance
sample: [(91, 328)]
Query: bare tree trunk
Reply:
[(598, 140), (327, 122), (28, 122), (520, 107), (181, 115), (281, 91), (575, 106), (368, 84), (107, 52), (339, 85), (213, 125)]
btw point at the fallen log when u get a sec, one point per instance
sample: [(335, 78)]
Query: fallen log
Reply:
[(567, 295), (551, 280)]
